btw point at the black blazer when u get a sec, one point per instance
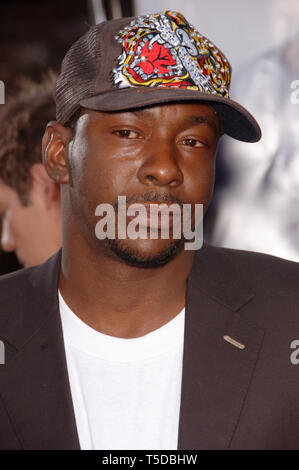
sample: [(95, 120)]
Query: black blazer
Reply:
[(231, 398)]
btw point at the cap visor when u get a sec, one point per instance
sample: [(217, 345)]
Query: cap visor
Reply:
[(235, 120)]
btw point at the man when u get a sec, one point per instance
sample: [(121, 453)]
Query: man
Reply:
[(29, 199), (123, 343)]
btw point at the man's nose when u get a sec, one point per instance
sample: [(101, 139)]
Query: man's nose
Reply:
[(160, 166), (7, 241)]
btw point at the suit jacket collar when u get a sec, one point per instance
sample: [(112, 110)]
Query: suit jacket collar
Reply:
[(216, 375)]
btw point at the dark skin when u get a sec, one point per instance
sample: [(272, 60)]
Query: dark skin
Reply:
[(163, 150)]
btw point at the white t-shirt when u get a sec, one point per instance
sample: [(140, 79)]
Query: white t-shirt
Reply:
[(126, 392)]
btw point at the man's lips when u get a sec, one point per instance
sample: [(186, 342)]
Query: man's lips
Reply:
[(157, 218)]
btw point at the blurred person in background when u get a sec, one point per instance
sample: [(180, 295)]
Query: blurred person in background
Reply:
[(29, 199)]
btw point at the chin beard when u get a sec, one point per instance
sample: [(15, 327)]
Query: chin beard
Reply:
[(136, 259)]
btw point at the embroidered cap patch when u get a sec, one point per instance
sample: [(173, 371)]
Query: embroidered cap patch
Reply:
[(165, 50)]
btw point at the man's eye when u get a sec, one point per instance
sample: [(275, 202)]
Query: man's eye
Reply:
[(193, 142), (127, 134)]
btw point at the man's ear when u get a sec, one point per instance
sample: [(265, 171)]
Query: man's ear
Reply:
[(55, 151), (46, 186)]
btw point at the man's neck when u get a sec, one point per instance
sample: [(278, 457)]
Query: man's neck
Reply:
[(120, 300)]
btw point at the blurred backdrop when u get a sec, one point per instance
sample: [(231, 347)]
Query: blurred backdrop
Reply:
[(255, 204)]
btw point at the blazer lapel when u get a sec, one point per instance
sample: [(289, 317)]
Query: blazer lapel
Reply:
[(34, 386), (216, 373)]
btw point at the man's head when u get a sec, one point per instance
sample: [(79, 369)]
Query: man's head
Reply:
[(141, 104), (29, 198)]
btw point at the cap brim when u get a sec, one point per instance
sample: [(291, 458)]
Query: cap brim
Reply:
[(235, 120)]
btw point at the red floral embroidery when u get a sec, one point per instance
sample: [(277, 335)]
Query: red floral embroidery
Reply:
[(157, 59)]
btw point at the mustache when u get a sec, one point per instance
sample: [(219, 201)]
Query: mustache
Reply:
[(152, 196)]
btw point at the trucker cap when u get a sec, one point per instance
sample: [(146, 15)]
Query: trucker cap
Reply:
[(141, 61)]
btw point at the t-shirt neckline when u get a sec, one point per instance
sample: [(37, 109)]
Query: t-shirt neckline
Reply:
[(92, 342)]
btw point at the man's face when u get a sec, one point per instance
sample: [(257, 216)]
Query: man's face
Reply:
[(156, 154)]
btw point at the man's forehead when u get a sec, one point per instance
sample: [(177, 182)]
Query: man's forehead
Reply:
[(190, 113), (194, 113), (188, 110)]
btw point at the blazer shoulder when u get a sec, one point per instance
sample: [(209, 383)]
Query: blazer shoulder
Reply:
[(25, 295), (259, 270), (11, 284)]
